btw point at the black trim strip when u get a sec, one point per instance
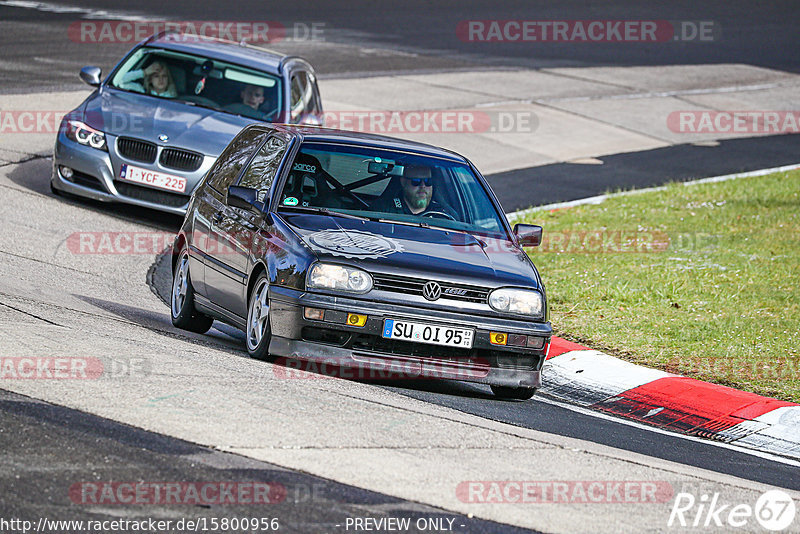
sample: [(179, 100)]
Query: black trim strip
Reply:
[(206, 306), (226, 270)]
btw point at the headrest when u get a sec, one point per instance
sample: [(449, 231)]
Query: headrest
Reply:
[(306, 164)]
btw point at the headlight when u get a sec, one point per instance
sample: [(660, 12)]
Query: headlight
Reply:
[(517, 301), (85, 135), (338, 278)]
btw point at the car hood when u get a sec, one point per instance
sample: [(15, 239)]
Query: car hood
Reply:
[(144, 117), (414, 251)]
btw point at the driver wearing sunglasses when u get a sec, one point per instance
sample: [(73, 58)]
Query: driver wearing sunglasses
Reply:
[(416, 194)]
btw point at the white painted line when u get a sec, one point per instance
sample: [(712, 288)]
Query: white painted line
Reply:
[(604, 416), (666, 94), (601, 198), (88, 13)]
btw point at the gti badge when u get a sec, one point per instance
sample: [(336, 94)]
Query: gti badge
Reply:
[(432, 291), (163, 138), (455, 291)]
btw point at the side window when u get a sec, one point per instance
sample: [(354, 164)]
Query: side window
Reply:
[(304, 97), (261, 172), (233, 158)]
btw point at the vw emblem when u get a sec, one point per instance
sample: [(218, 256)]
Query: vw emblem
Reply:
[(163, 138), (432, 291)]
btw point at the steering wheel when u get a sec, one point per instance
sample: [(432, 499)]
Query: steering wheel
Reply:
[(439, 215), (272, 114)]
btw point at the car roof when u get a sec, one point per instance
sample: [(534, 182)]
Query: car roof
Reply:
[(330, 135), (212, 47)]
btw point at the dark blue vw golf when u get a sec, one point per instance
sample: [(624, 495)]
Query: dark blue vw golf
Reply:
[(325, 245)]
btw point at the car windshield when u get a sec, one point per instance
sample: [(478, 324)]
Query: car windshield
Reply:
[(200, 81), (397, 186)]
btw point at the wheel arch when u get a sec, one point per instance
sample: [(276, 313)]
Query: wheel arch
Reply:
[(259, 268), (177, 246)]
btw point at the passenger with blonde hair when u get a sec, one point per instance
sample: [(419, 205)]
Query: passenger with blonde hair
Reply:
[(156, 80)]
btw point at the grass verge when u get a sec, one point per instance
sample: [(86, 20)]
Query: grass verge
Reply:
[(699, 280)]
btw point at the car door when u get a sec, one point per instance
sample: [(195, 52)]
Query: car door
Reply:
[(235, 232), (210, 204)]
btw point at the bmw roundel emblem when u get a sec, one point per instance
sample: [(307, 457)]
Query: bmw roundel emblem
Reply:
[(163, 138), (432, 291)]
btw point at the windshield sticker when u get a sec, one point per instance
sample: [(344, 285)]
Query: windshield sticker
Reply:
[(302, 167), (353, 244), (290, 201)]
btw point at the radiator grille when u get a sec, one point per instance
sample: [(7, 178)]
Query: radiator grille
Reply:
[(136, 150), (413, 286), (182, 160)]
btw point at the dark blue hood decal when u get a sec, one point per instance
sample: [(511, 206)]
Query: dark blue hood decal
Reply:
[(404, 249)]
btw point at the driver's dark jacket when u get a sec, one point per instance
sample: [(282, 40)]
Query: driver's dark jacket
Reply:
[(397, 204)]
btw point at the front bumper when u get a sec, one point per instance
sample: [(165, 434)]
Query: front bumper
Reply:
[(94, 176), (335, 343)]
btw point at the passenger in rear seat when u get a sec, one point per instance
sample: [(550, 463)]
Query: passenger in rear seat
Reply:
[(252, 97)]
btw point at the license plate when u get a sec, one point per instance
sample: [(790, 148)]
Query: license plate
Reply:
[(432, 334), (152, 178)]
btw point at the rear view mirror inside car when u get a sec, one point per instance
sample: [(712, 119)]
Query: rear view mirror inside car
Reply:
[(384, 167)]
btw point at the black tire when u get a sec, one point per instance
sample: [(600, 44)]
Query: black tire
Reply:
[(258, 331), (509, 393), (184, 315)]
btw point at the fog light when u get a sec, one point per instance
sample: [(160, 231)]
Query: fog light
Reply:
[(498, 338), (535, 342), (314, 314), (66, 172), (354, 319)]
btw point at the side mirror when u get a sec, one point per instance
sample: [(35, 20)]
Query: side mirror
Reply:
[(91, 75), (529, 235), (245, 198)]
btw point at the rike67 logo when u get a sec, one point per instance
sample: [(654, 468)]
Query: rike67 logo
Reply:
[(774, 510)]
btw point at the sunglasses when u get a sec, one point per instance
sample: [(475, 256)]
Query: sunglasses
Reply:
[(416, 182)]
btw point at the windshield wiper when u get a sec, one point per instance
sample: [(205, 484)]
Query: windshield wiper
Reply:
[(423, 224), (326, 211), (182, 101), (419, 224)]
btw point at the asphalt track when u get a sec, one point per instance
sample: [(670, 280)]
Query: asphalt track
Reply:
[(750, 32), (562, 182), (76, 448), (54, 439)]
